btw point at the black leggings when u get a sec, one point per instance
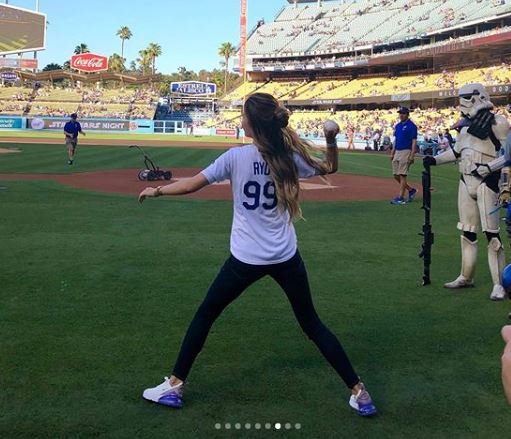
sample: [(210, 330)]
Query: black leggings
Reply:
[(236, 276)]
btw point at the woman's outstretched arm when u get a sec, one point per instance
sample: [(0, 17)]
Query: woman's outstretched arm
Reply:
[(331, 129), (181, 187)]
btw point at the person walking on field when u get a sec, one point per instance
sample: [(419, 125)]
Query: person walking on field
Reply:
[(403, 155), (71, 130), (351, 135), (265, 185)]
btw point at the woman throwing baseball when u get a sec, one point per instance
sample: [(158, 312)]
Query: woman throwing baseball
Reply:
[(264, 179)]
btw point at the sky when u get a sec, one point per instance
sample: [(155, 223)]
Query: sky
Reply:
[(189, 31)]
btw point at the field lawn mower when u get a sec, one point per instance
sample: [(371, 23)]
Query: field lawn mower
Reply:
[(151, 172)]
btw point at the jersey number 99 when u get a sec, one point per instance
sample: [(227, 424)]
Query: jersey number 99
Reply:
[(254, 193)]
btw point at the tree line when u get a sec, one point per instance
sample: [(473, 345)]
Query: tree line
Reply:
[(146, 64)]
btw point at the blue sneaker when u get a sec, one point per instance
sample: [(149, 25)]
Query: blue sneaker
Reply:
[(411, 195), (165, 394), (397, 200), (362, 402)]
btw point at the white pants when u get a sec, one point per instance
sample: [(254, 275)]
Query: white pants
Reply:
[(477, 206)]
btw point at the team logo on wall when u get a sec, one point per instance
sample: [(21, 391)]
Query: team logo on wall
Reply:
[(89, 62), (37, 124)]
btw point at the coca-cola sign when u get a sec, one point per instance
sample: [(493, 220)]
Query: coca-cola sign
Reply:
[(89, 62)]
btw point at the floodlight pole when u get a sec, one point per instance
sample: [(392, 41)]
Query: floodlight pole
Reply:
[(37, 10), (243, 48), (243, 37)]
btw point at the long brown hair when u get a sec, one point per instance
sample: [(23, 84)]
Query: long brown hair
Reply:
[(277, 142)]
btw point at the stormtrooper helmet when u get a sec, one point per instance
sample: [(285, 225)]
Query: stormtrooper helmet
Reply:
[(473, 98)]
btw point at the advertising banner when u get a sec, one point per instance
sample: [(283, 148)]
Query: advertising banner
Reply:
[(403, 97), (227, 132), (11, 123), (9, 76), (193, 88), (48, 123), (89, 62), (18, 63), (141, 126), (203, 132)]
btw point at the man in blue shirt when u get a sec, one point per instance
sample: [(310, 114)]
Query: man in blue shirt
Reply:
[(403, 155), (71, 130)]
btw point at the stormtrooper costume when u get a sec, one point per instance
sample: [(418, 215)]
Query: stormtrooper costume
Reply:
[(481, 134)]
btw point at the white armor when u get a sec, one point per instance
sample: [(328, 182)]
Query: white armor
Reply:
[(473, 98), (477, 203)]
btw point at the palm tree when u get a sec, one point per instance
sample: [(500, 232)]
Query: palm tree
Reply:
[(144, 60), (81, 48), (116, 63), (52, 66), (124, 33), (154, 51), (226, 50)]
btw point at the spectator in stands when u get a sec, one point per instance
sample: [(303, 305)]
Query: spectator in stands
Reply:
[(376, 140), (403, 155), (443, 143), (386, 143), (429, 145), (71, 130)]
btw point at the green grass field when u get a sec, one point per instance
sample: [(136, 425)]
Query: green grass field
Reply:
[(96, 292)]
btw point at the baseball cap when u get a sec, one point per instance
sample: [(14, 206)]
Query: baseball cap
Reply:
[(404, 110), (74, 116)]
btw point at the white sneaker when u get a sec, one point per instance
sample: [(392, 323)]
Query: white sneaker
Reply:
[(498, 293), (165, 394), (362, 402), (460, 282)]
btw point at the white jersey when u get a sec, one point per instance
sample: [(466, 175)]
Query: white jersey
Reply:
[(261, 232)]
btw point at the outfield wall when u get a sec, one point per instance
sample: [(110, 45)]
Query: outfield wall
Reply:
[(136, 126), (140, 126)]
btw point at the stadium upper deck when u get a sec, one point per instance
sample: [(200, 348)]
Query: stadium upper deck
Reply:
[(320, 28)]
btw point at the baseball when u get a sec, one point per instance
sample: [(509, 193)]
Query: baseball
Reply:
[(331, 127)]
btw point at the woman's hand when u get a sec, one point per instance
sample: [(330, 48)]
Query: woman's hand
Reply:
[(506, 362), (148, 192), (330, 129)]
